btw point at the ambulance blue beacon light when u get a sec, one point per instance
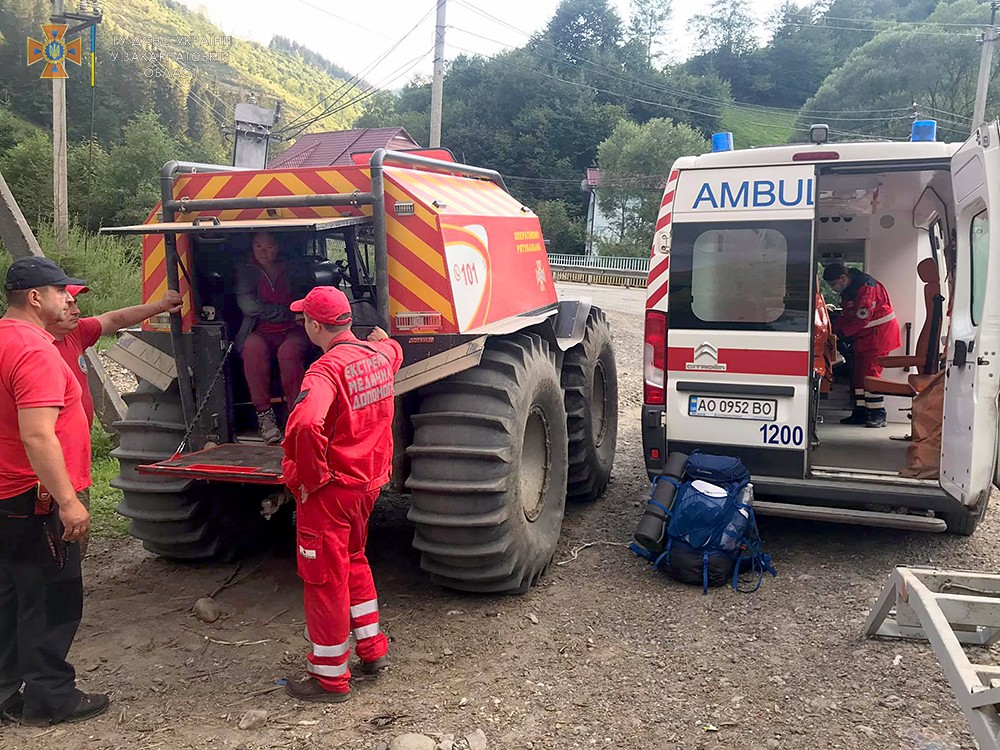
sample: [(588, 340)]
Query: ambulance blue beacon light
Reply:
[(722, 142), (923, 130)]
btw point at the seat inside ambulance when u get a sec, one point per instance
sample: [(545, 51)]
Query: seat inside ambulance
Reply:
[(895, 226)]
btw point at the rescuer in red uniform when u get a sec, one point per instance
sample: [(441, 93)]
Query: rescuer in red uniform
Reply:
[(338, 455), (869, 323)]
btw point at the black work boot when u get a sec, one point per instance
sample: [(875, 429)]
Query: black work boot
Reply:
[(12, 708), (311, 691), (268, 425), (371, 670), (858, 417), (89, 706), (876, 418)]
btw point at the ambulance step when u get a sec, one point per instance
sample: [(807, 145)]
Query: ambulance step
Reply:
[(850, 516)]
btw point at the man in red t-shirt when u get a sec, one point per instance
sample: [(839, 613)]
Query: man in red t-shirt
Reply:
[(44, 459), (74, 335)]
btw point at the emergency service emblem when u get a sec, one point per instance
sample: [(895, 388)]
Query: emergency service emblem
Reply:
[(706, 357), (55, 51), (540, 275)]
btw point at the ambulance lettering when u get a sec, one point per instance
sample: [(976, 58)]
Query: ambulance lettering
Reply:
[(756, 194)]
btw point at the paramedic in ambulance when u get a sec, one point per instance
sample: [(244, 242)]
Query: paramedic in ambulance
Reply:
[(269, 331), (869, 324), (338, 455)]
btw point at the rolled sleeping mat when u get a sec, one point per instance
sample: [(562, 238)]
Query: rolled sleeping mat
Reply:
[(651, 533)]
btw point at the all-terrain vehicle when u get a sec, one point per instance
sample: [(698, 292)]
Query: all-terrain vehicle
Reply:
[(507, 402)]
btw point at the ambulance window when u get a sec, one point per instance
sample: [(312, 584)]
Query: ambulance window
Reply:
[(746, 276), (980, 243)]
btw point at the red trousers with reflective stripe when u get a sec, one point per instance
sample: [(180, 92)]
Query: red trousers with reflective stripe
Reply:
[(338, 587)]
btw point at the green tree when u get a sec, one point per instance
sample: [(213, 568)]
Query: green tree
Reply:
[(647, 25), (134, 174), (899, 67), (585, 30), (635, 161), (562, 228), (27, 168)]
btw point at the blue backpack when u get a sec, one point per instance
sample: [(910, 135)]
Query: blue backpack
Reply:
[(712, 533)]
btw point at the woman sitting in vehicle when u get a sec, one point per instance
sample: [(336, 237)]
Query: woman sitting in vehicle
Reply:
[(269, 331)]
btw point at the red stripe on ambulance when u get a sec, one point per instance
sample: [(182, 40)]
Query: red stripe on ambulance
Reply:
[(744, 361)]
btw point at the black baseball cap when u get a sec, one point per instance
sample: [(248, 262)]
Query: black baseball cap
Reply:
[(834, 271), (31, 273)]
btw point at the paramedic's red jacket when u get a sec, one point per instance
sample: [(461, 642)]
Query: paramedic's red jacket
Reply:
[(340, 430), (867, 320)]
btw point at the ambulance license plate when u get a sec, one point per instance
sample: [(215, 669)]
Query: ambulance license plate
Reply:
[(759, 409)]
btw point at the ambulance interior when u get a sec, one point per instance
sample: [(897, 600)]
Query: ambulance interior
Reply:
[(897, 227)]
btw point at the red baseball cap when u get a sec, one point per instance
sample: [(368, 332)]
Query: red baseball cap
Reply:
[(75, 290), (325, 304)]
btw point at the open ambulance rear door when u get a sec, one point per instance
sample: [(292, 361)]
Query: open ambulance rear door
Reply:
[(969, 433), (739, 313)]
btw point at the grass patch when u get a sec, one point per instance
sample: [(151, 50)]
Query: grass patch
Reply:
[(757, 127), (109, 265), (105, 522)]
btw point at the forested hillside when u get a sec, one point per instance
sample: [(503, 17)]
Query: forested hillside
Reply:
[(589, 89), (167, 80)]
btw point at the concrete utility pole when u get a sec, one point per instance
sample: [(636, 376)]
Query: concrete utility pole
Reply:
[(17, 237), (988, 39), (437, 87), (60, 198)]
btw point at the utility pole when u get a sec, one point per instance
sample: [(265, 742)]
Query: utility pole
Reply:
[(437, 87), (988, 39), (60, 198)]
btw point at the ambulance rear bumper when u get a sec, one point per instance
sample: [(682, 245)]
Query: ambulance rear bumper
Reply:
[(850, 493)]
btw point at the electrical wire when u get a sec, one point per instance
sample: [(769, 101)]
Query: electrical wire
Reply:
[(371, 91), (714, 101), (356, 78), (680, 92)]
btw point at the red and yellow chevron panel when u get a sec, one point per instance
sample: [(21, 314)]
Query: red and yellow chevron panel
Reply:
[(446, 248)]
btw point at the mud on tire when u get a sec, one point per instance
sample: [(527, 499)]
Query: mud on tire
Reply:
[(590, 384), (488, 469), (176, 518)]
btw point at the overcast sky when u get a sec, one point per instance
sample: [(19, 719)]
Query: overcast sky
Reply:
[(357, 35)]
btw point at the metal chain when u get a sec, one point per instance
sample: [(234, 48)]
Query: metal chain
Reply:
[(204, 401)]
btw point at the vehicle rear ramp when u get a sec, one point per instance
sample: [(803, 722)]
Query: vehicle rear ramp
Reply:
[(949, 608)]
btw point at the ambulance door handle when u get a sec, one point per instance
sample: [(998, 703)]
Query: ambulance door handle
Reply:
[(962, 349)]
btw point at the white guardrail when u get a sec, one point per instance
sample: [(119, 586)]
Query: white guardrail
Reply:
[(601, 269)]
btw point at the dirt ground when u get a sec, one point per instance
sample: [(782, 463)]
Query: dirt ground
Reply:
[(603, 654)]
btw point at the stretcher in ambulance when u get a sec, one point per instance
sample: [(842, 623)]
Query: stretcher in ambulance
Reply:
[(739, 358)]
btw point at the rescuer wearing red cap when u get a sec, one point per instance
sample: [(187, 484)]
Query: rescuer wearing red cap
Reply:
[(74, 335), (338, 455)]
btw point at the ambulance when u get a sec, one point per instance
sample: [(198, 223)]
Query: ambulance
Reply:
[(737, 316)]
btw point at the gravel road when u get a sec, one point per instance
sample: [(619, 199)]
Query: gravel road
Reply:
[(604, 653)]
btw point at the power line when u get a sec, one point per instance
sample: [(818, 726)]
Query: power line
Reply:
[(344, 20), (355, 79), (658, 87), (332, 110)]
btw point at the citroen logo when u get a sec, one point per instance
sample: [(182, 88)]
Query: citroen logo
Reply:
[(705, 349)]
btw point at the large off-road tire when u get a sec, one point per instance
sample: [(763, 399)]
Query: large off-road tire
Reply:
[(488, 469), (175, 518), (590, 384)]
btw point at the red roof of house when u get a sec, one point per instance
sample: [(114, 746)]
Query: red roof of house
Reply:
[(335, 149)]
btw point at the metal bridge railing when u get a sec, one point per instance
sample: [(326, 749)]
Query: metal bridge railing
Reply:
[(604, 262), (605, 270)]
